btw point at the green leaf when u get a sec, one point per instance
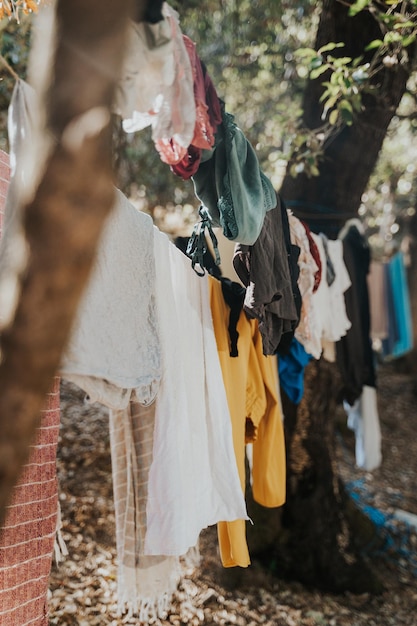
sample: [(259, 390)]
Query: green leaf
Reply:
[(341, 61), (318, 71), (408, 40), (333, 117), (359, 6), (330, 46), (324, 95), (376, 43), (334, 78), (305, 53), (356, 102), (345, 105), (407, 24), (316, 62), (392, 37), (347, 116), (330, 103), (296, 169)]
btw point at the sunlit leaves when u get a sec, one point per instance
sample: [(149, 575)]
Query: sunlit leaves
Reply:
[(358, 6), (345, 80)]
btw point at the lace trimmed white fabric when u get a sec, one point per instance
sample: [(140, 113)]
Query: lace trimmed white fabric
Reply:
[(332, 321), (336, 322), (304, 332), (115, 337), (193, 480), (26, 159), (363, 419), (148, 69)]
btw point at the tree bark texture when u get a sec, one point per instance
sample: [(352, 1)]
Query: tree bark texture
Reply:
[(62, 223), (316, 544)]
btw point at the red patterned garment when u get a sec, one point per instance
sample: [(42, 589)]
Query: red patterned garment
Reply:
[(208, 115), (28, 535)]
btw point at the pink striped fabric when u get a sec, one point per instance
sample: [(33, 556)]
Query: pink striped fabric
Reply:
[(28, 535)]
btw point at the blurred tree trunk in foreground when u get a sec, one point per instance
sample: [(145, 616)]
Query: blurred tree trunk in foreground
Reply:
[(63, 222)]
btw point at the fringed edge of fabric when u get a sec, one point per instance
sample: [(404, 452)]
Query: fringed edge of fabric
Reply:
[(151, 606), (60, 548)]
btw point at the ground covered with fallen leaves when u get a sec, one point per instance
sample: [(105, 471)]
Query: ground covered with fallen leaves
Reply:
[(83, 587)]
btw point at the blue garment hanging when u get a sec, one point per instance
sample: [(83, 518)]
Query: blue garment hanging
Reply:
[(402, 305), (291, 371), (400, 339)]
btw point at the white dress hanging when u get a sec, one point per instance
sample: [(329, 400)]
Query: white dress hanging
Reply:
[(193, 480)]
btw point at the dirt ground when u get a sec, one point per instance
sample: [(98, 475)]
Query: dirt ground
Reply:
[(83, 587)]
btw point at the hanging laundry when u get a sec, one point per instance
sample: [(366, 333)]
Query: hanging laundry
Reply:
[(363, 419), (329, 322), (28, 534), (306, 283), (231, 185), (114, 347), (204, 128), (144, 312), (270, 285), (145, 584), (335, 321), (354, 355), (313, 343), (400, 335), (153, 11), (156, 87), (21, 115), (251, 383), (315, 254), (393, 331), (208, 116), (378, 300), (330, 271), (193, 481), (291, 368)]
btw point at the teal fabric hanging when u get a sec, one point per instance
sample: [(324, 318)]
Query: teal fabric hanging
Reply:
[(401, 303), (231, 185)]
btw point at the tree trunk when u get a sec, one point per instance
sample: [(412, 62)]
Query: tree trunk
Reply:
[(63, 222), (319, 547), (316, 545), (351, 157)]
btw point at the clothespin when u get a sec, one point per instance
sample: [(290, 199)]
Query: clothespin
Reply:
[(197, 245)]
